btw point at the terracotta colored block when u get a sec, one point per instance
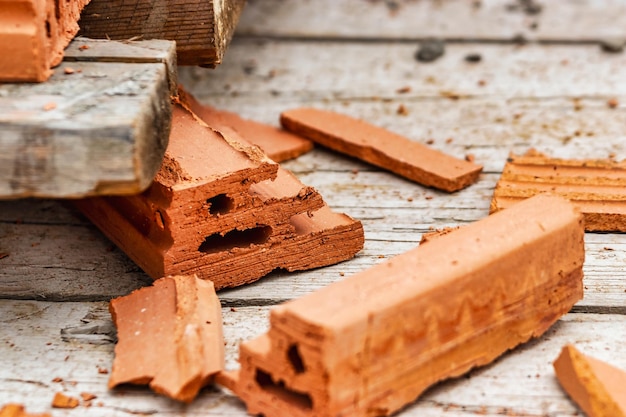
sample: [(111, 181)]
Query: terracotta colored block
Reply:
[(382, 148), (169, 336), (17, 410), (33, 34), (596, 386), (61, 400), (219, 208), (597, 187), (276, 143), (372, 343)]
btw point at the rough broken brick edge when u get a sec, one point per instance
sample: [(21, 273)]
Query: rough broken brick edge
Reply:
[(344, 351), (596, 386), (179, 316), (596, 186)]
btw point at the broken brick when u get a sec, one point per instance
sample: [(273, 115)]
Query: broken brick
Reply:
[(597, 187), (277, 143), (33, 35), (61, 400), (17, 410), (382, 148), (372, 343), (596, 386), (221, 209), (169, 336)]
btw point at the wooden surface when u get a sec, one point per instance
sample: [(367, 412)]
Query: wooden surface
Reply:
[(98, 126), (552, 96), (202, 29)]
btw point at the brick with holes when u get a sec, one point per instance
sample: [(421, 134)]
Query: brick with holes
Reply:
[(372, 343), (221, 209)]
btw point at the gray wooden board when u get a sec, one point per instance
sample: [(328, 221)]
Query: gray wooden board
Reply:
[(493, 20), (72, 341), (93, 128)]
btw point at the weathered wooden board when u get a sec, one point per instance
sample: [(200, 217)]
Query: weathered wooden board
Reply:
[(72, 341), (202, 29), (487, 20), (93, 128)]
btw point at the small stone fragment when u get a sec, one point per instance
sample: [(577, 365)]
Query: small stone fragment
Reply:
[(473, 58), (613, 45), (430, 49), (612, 103)]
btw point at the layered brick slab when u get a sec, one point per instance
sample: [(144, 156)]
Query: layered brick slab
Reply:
[(374, 342)]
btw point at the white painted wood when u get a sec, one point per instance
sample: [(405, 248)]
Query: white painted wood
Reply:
[(563, 20), (522, 382)]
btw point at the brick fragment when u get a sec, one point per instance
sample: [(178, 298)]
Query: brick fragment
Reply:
[(372, 343), (279, 144), (33, 34), (169, 336), (596, 186), (17, 410), (382, 148), (61, 400), (596, 386), (221, 209)]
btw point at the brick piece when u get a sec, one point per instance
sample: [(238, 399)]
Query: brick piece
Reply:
[(61, 400), (17, 410), (169, 336), (596, 386), (372, 343), (597, 187), (33, 34), (219, 208), (277, 143), (382, 148)]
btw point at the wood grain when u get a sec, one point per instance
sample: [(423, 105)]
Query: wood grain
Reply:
[(96, 127), (202, 29)]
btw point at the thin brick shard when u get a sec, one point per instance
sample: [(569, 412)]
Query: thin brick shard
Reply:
[(221, 209), (382, 148), (169, 336), (372, 343), (275, 142), (596, 386), (597, 187)]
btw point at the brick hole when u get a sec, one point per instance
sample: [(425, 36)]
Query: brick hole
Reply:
[(220, 204), (235, 239), (158, 218), (48, 28), (266, 382), (293, 354)]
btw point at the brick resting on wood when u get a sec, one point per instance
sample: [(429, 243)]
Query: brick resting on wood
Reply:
[(221, 209), (382, 148), (33, 34), (596, 186), (596, 386), (374, 342), (169, 336), (17, 410)]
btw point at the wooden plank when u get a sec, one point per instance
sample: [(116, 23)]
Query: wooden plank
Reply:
[(338, 71), (202, 29), (93, 128), (33, 33), (32, 330), (490, 20)]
